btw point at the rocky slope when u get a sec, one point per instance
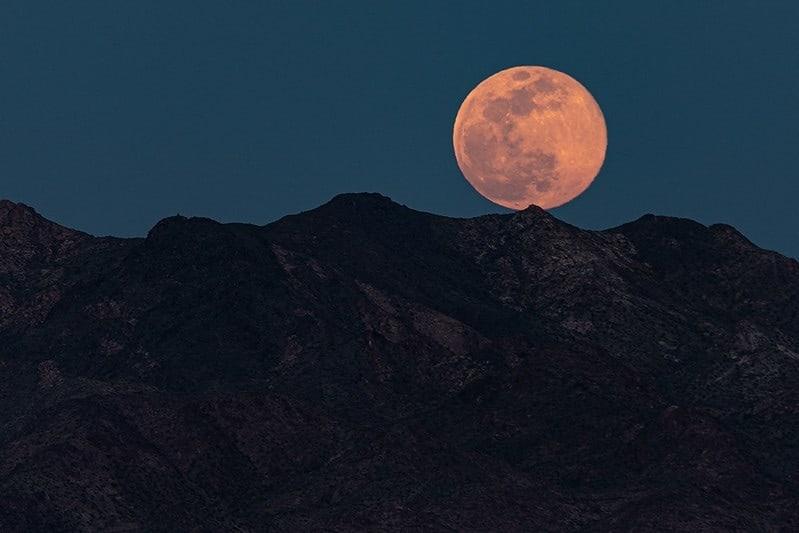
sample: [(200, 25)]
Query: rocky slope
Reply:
[(363, 366)]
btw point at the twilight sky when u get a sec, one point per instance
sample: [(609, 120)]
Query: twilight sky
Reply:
[(116, 114)]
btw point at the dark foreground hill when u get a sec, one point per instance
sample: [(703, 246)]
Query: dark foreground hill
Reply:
[(364, 366)]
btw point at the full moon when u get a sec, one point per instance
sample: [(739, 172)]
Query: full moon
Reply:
[(530, 135)]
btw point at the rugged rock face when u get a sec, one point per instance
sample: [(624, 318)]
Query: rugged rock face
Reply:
[(366, 366)]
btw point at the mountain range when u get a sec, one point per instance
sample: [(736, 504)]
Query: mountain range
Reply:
[(364, 366)]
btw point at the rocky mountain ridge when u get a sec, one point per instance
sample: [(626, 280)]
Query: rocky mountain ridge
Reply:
[(366, 366)]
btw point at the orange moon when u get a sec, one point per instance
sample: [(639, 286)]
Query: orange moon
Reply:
[(530, 135)]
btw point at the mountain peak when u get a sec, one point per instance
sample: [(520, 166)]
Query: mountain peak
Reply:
[(14, 212), (534, 209), (652, 220), (534, 216), (20, 219), (534, 212), (179, 229), (28, 238), (362, 197), (361, 202), (361, 209), (663, 232)]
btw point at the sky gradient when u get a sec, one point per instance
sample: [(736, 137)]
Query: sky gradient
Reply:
[(116, 114)]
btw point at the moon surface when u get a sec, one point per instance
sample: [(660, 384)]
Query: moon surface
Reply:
[(530, 135)]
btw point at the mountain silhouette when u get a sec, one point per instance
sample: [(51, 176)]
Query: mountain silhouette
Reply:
[(365, 366)]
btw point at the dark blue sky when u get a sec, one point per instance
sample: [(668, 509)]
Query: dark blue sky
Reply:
[(116, 114)]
